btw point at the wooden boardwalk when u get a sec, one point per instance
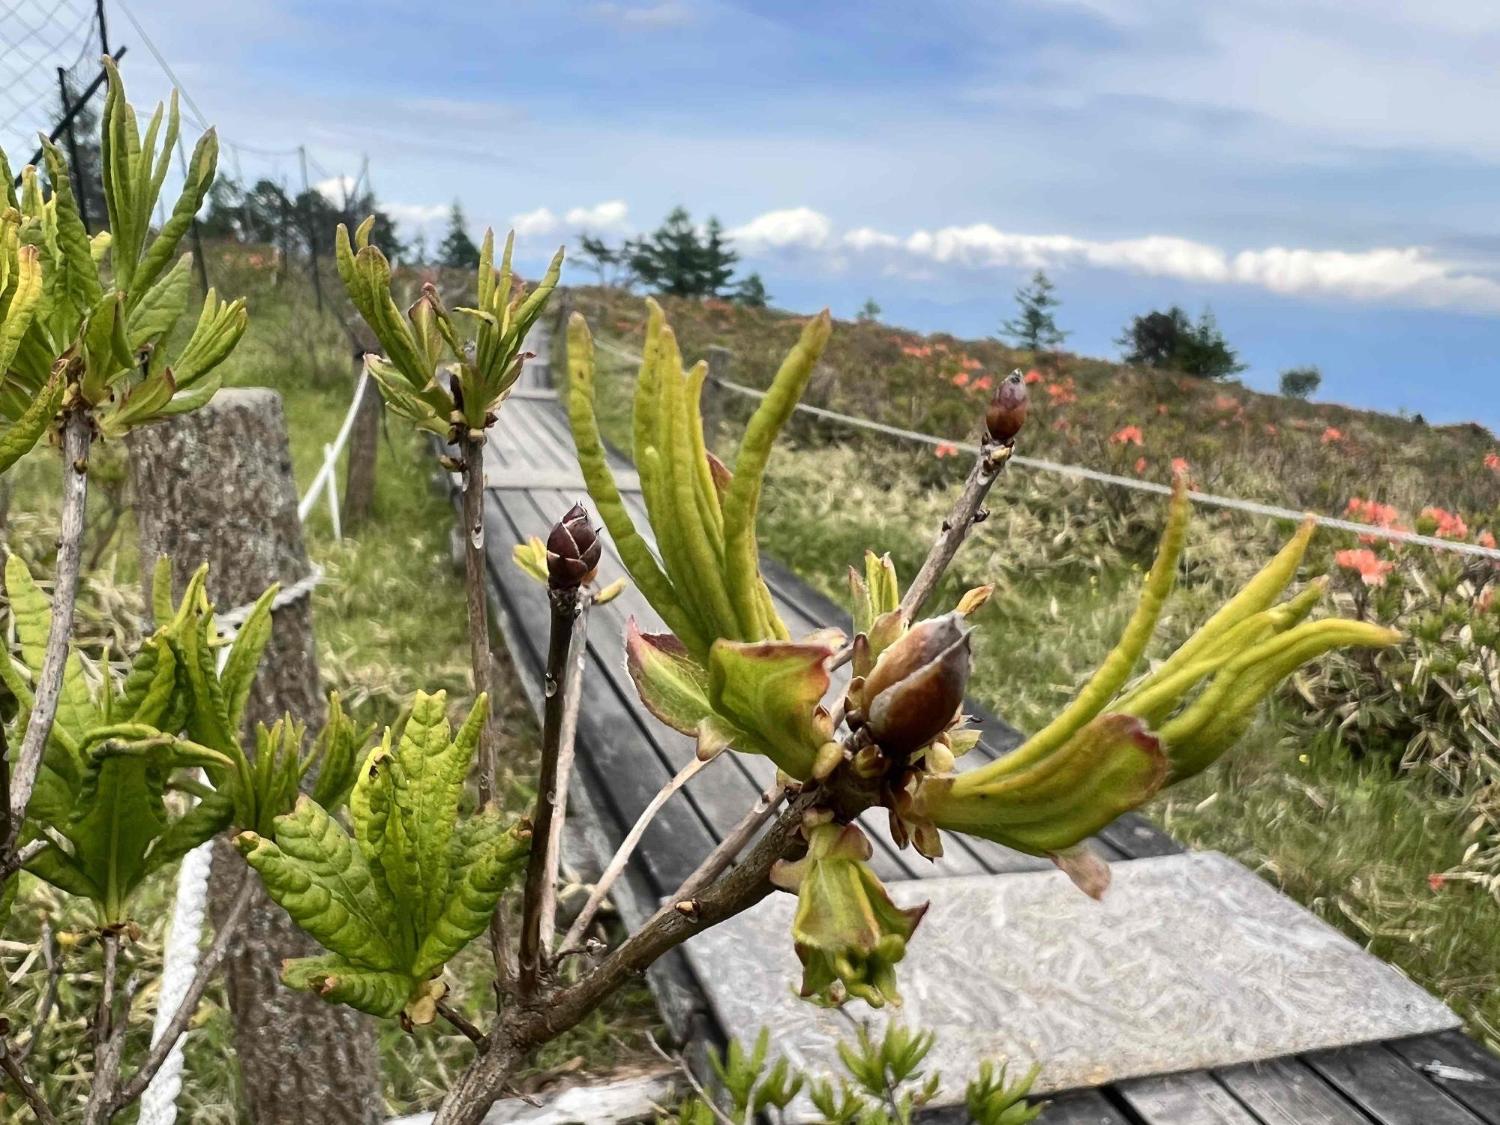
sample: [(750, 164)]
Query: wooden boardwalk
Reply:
[(625, 756)]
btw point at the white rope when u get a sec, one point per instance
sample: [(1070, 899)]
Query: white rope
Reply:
[(180, 958), (330, 465), (1207, 499)]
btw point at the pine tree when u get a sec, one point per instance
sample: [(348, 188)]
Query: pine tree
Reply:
[(457, 249), (600, 256), (1171, 340), (869, 312), (1035, 328), (679, 262), (752, 293), (718, 261)]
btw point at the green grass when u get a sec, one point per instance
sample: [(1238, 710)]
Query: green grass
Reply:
[(390, 619)]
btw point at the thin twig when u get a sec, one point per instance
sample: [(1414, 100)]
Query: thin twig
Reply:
[(478, 610), (678, 1063), (28, 1089), (77, 435), (49, 992), (22, 856), (729, 848), (627, 848), (564, 628), (104, 1012), (178, 1025), (567, 737), (481, 665), (965, 514), (460, 1022)]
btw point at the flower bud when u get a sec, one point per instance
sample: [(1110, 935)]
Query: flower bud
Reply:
[(849, 934), (917, 685), (573, 550), (1006, 413)]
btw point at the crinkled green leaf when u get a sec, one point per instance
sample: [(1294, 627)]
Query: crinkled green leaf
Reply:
[(240, 666), (316, 874), (333, 978), (486, 857), (55, 866), (427, 776)]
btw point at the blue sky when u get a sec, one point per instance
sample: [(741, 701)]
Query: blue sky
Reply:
[(1323, 174)]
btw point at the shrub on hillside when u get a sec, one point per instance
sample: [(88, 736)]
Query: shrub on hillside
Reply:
[(1171, 340)]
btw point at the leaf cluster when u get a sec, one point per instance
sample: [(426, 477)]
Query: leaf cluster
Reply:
[(424, 344), (124, 753), (414, 883), (884, 1083), (83, 319)]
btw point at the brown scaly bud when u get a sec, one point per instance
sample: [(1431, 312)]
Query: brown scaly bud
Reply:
[(1006, 413), (917, 685), (573, 550)]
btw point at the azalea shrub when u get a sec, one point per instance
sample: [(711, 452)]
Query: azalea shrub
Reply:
[(1437, 702)]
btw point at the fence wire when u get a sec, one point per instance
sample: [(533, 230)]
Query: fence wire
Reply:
[(1081, 472), (37, 37)]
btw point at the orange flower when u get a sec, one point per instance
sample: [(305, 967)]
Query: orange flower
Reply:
[(971, 364), (1140, 465), (945, 449), (1492, 461), (1062, 393), (1179, 466), (1486, 538), (1436, 881), (1161, 409), (1364, 562), (1033, 377), (1370, 511), (916, 351), (1332, 434), (1129, 435), (1270, 429), (1226, 402), (1446, 525), (961, 380), (983, 383)]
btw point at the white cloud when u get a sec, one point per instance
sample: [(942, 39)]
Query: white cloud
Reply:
[(792, 228), (1411, 275), (416, 214), (335, 189), (534, 224), (665, 13), (609, 216)]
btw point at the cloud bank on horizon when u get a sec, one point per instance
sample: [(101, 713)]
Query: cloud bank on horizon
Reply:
[(1411, 276)]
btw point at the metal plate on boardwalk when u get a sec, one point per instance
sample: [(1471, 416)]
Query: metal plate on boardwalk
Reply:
[(1190, 962)]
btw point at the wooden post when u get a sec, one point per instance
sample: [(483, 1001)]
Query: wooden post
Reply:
[(216, 485), (364, 439), (720, 366)]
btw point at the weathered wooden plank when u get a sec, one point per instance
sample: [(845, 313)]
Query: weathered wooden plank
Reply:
[(1081, 1107), (1184, 1099), (1388, 1088), (1455, 1063), (1288, 1092)]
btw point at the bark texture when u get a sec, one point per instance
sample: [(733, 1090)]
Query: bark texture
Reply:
[(217, 486)]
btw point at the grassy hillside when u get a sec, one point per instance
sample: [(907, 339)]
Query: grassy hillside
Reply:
[(1369, 790)]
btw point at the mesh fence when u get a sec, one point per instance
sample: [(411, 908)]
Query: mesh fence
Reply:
[(37, 37)]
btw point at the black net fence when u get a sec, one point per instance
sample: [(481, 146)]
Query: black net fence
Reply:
[(37, 38)]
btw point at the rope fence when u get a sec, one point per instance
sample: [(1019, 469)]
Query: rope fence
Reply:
[(1080, 472)]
